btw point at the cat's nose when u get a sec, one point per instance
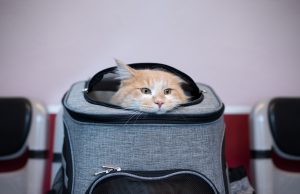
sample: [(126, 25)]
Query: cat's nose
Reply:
[(159, 103)]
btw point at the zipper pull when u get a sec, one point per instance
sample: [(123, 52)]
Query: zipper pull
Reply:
[(108, 169), (114, 168), (102, 171)]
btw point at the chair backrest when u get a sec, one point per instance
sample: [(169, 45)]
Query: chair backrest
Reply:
[(23, 146), (275, 146)]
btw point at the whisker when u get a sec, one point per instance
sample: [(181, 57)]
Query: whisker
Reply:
[(138, 116), (130, 118)]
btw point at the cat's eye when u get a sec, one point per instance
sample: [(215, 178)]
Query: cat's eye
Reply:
[(167, 91), (145, 90)]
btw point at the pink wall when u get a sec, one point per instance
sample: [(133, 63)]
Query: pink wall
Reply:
[(246, 50)]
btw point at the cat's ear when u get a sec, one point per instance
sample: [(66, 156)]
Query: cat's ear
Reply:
[(123, 70)]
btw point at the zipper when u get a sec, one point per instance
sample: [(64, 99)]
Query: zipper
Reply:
[(110, 171), (107, 169)]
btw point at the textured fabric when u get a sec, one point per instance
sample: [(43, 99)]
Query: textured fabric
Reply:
[(142, 147), (145, 147)]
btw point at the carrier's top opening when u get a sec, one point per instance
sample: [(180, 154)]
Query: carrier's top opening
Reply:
[(101, 87)]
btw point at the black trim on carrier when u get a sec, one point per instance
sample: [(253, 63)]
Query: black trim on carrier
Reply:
[(67, 155), (224, 167), (148, 118), (57, 157), (189, 85)]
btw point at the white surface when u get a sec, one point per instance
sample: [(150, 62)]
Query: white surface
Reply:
[(246, 50), (38, 135), (263, 176), (28, 180), (271, 180), (260, 132)]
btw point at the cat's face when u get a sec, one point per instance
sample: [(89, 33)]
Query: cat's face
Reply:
[(153, 91)]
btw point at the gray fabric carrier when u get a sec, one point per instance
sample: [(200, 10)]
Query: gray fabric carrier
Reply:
[(190, 137)]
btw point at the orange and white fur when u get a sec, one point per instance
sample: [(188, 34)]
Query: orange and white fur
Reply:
[(153, 91)]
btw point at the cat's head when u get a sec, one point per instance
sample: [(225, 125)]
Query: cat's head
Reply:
[(154, 91)]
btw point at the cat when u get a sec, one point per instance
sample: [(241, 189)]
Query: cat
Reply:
[(148, 90)]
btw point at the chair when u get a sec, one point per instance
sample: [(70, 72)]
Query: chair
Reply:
[(275, 146), (23, 146)]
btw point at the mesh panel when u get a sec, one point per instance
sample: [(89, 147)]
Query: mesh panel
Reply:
[(179, 184)]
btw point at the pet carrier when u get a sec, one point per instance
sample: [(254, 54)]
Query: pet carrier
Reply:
[(108, 149)]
